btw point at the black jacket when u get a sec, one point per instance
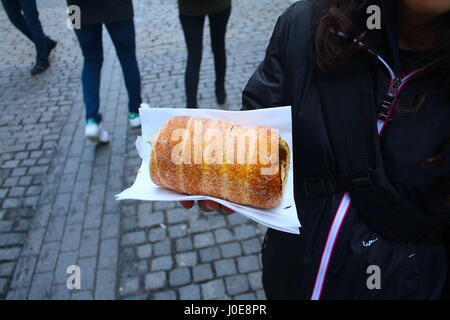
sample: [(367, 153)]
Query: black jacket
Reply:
[(289, 76), (103, 11)]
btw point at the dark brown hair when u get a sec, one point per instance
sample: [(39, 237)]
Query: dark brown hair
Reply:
[(333, 51)]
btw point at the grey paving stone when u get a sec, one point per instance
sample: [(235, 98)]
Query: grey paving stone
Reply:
[(9, 253), (41, 286), (93, 217), (236, 219), (186, 259), (166, 295), (246, 296), (129, 286), (162, 248), (161, 263), (34, 241), (209, 254), (157, 234), (3, 282), (184, 244), (72, 237), (105, 284), (248, 263), (48, 257), (150, 219), (60, 292), (55, 229), (129, 223), (202, 272), (225, 267), (178, 215), (82, 295), (260, 295), (88, 267), (7, 268), (18, 294), (144, 251), (244, 232), (216, 221), (108, 253), (178, 277), (144, 208), (110, 226), (11, 239), (198, 225), (89, 243), (179, 230), (23, 272), (155, 280), (236, 284), (164, 205), (251, 246), (223, 235), (204, 240), (133, 238), (213, 289), (230, 250), (255, 280), (190, 292)]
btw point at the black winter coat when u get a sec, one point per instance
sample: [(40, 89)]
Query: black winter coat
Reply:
[(291, 263), (103, 11)]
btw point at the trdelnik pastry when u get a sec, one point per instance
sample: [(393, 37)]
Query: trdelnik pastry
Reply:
[(246, 165)]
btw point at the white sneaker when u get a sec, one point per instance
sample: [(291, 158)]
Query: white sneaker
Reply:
[(134, 119), (95, 132)]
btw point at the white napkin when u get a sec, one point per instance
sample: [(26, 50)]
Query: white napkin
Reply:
[(283, 217)]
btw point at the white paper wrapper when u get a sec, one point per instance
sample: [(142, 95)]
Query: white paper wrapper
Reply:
[(283, 217)]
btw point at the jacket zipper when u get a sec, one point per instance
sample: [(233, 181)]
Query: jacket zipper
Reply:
[(395, 86)]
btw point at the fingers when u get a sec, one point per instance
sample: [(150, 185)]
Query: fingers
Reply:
[(187, 204), (225, 211), (208, 205)]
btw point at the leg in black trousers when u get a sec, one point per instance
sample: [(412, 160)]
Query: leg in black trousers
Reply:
[(193, 34), (218, 26)]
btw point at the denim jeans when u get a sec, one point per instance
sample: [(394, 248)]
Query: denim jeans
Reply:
[(123, 37), (24, 15)]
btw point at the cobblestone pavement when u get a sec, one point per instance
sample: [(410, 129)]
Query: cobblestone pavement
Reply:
[(57, 190)]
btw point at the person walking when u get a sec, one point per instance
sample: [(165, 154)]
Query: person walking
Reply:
[(192, 17), (24, 15), (117, 16), (371, 141)]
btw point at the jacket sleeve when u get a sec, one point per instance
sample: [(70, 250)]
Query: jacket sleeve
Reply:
[(266, 87)]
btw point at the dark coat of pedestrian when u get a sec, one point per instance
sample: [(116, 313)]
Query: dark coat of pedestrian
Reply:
[(102, 11)]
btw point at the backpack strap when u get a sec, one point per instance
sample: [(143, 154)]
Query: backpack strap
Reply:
[(351, 121)]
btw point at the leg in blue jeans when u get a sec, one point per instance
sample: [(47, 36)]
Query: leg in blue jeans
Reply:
[(90, 39), (124, 38)]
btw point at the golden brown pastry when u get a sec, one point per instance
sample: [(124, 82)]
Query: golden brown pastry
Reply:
[(241, 164)]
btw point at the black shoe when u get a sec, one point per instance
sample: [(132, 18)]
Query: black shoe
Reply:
[(221, 96), (52, 45), (39, 67)]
